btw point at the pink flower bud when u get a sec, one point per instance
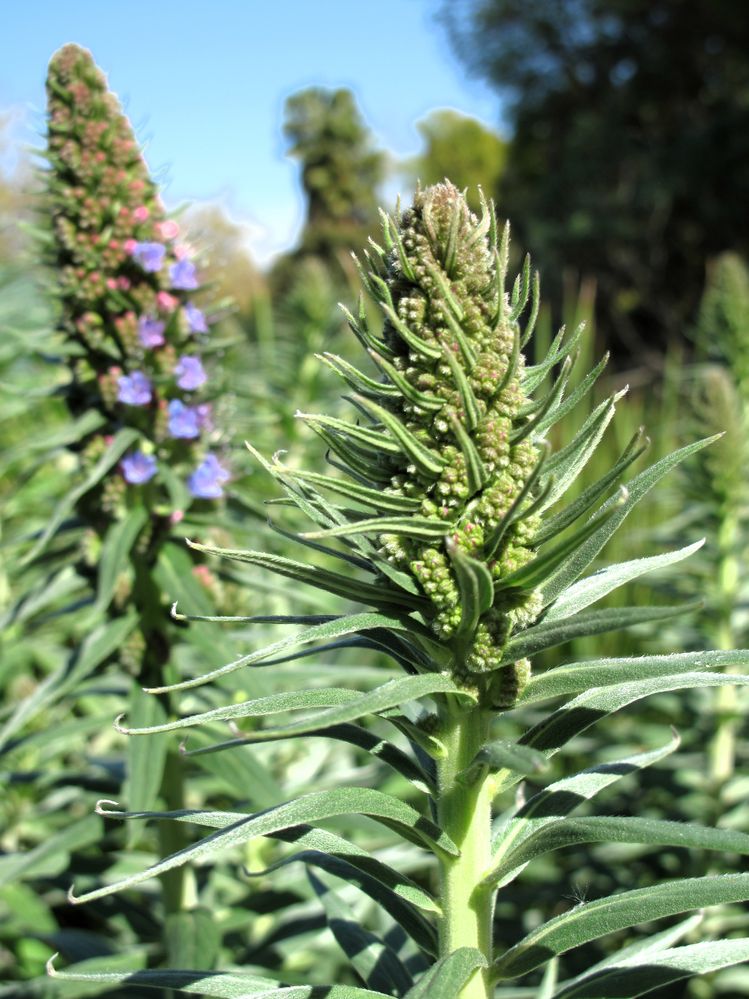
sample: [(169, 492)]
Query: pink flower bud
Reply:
[(177, 516), (129, 245), (166, 301), (141, 213), (112, 284), (168, 229)]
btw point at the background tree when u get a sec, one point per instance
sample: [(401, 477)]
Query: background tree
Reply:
[(340, 172), (630, 154), (461, 148)]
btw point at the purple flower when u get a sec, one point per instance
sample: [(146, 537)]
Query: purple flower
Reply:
[(150, 256), (184, 421), (189, 372), (134, 389), (138, 468), (206, 481), (151, 331), (195, 319), (182, 275)]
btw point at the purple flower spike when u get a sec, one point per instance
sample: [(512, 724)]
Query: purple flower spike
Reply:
[(151, 331), (184, 421), (189, 373), (196, 320), (134, 389), (207, 479), (138, 468), (182, 275), (150, 256)]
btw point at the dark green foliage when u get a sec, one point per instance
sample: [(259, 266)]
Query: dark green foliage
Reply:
[(629, 157)]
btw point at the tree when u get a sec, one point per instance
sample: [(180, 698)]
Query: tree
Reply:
[(341, 173), (461, 149), (630, 153)]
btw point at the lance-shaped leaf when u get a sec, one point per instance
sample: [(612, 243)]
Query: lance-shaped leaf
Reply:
[(476, 589), (373, 498), (402, 386), (639, 975), (424, 528), (476, 475), (426, 460), (534, 374), (598, 673), (309, 808), (361, 329), (556, 801), (222, 985), (575, 397), (591, 589), (415, 342), (622, 829), (374, 962), (547, 635), (358, 381), (372, 440), (351, 625), (341, 706), (343, 586), (592, 920)]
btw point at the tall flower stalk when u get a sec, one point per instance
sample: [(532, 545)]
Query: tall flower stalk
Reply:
[(453, 532), (139, 393)]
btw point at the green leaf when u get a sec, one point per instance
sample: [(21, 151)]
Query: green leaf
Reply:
[(375, 963), (408, 525), (122, 441), (585, 710), (610, 672), (218, 984), (192, 938), (547, 635), (637, 488), (639, 975), (592, 920), (353, 624), (429, 462), (343, 706), (343, 586), (622, 829), (560, 798), (587, 591), (446, 978), (115, 550), (145, 760), (308, 808), (51, 856), (476, 589)]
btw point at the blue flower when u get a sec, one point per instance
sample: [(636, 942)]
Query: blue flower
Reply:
[(189, 372), (182, 275), (138, 468), (134, 389), (184, 421), (150, 256), (195, 319), (151, 331), (207, 479)]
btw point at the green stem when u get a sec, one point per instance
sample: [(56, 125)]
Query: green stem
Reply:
[(723, 745), (464, 813)]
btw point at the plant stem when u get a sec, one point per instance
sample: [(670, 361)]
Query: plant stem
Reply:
[(723, 746), (464, 813)]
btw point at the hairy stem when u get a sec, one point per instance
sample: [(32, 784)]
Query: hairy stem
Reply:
[(464, 812), (723, 748)]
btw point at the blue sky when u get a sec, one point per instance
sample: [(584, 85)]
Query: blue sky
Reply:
[(204, 85)]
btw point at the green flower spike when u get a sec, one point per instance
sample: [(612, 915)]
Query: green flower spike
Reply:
[(449, 524)]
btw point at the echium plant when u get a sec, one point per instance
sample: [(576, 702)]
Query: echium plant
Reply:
[(136, 337), (453, 505)]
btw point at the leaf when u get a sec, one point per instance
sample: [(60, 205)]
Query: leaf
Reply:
[(408, 525), (192, 938), (637, 976), (218, 984), (115, 551), (586, 709), (475, 586), (122, 441), (622, 829), (446, 978), (375, 963), (51, 856), (353, 624), (612, 672), (637, 488), (592, 920), (343, 586), (548, 634), (560, 798), (587, 591), (313, 807), (145, 760)]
